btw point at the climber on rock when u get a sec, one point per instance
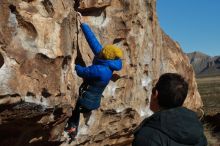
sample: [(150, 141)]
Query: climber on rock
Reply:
[(96, 77), (171, 124)]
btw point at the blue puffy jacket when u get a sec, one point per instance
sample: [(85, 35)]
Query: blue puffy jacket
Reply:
[(96, 76)]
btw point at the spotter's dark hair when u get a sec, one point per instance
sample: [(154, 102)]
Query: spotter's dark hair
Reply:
[(172, 90)]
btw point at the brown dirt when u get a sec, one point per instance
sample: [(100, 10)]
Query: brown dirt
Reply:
[(209, 89)]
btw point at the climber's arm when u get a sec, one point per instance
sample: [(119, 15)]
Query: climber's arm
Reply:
[(87, 72), (91, 39)]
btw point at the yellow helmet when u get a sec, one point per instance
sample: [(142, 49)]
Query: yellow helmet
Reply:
[(111, 52)]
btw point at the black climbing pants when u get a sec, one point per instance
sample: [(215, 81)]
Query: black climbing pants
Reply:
[(74, 119)]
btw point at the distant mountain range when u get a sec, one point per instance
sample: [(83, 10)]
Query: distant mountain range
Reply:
[(204, 64)]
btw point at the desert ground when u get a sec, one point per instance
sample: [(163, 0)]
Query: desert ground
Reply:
[(209, 89)]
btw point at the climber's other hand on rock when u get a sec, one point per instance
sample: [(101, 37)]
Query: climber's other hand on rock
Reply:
[(80, 18)]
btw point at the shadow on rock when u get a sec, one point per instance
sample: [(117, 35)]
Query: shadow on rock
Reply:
[(19, 126)]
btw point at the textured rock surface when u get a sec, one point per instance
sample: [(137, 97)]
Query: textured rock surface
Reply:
[(40, 42)]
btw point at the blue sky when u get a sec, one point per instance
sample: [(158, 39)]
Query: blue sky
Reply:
[(195, 24)]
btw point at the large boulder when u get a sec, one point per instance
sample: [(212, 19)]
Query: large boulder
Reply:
[(41, 41)]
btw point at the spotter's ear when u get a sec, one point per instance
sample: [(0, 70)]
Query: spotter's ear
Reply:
[(154, 93)]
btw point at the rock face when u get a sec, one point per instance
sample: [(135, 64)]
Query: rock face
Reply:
[(204, 64), (40, 42)]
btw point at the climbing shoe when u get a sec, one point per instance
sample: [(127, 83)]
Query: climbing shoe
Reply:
[(72, 132)]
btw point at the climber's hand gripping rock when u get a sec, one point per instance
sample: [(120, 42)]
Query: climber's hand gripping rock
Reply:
[(79, 17)]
